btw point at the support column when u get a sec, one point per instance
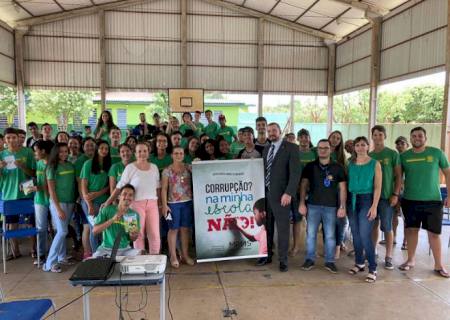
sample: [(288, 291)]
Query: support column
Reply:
[(445, 129), (375, 61), (331, 85), (18, 47), (292, 113), (260, 71), (101, 21), (183, 33)]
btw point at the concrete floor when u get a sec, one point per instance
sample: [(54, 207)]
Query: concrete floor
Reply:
[(203, 291)]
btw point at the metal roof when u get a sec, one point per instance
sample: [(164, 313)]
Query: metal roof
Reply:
[(335, 17)]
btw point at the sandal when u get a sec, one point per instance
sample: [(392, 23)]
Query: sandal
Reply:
[(404, 246), (356, 268), (443, 273), (406, 266), (188, 260), (371, 277)]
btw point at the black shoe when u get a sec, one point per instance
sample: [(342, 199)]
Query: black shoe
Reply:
[(308, 265), (330, 266), (263, 261), (283, 267)]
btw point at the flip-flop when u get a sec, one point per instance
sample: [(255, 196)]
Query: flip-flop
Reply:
[(405, 267), (442, 273)]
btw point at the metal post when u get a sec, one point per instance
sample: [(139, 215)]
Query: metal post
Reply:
[(162, 297), (445, 129), (20, 86), (375, 61), (184, 48), (260, 62), (101, 21), (86, 307), (331, 84), (292, 113)]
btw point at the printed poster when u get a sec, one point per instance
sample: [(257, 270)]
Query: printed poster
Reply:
[(229, 209)]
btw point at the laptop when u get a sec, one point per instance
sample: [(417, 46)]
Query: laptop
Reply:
[(99, 268)]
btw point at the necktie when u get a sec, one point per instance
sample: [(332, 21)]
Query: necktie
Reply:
[(269, 165)]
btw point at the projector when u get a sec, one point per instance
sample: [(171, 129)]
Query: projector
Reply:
[(144, 264)]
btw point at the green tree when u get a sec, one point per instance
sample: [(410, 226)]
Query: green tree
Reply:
[(63, 105), (160, 105), (8, 103), (352, 107), (310, 111), (391, 107), (424, 104)]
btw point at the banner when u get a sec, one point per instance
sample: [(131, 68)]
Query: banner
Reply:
[(229, 209)]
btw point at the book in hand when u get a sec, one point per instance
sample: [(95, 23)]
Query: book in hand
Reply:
[(27, 186), (130, 223)]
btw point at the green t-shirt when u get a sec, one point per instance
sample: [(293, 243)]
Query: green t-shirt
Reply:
[(200, 129), (184, 143), (41, 197), (307, 157), (184, 127), (211, 130), (388, 160), (228, 156), (188, 159), (236, 147), (129, 221), (12, 176), (64, 177), (161, 163), (116, 171), (115, 155), (96, 182), (422, 173), (79, 164), (227, 133), (105, 134)]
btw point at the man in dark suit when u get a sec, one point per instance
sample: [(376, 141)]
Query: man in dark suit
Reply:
[(282, 177)]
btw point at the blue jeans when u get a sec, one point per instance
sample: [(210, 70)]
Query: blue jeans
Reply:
[(57, 251), (41, 214), (93, 240), (362, 231), (341, 226), (385, 213), (326, 215)]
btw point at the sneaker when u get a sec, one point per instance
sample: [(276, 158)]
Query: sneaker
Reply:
[(66, 262), (56, 268), (388, 264), (308, 265), (330, 266), (382, 242), (41, 261)]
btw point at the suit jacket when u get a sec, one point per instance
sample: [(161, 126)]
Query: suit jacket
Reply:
[(285, 172)]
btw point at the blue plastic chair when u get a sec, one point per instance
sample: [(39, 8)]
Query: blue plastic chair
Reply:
[(25, 309), (17, 208)]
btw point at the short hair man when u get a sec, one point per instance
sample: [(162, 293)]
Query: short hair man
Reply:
[(261, 129), (212, 128), (325, 180), (226, 131), (115, 136), (46, 130), (35, 135), (250, 151), (422, 203), (115, 219), (144, 128), (390, 190), (282, 176), (17, 165)]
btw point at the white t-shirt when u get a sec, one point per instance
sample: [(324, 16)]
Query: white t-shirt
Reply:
[(144, 181)]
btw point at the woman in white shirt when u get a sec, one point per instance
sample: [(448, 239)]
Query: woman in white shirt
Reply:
[(144, 177)]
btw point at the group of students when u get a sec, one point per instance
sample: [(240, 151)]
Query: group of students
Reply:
[(93, 187)]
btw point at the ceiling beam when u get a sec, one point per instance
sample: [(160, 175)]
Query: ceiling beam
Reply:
[(306, 10), (335, 18), (369, 9), (59, 5), (18, 4), (273, 8), (273, 19), (75, 13)]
